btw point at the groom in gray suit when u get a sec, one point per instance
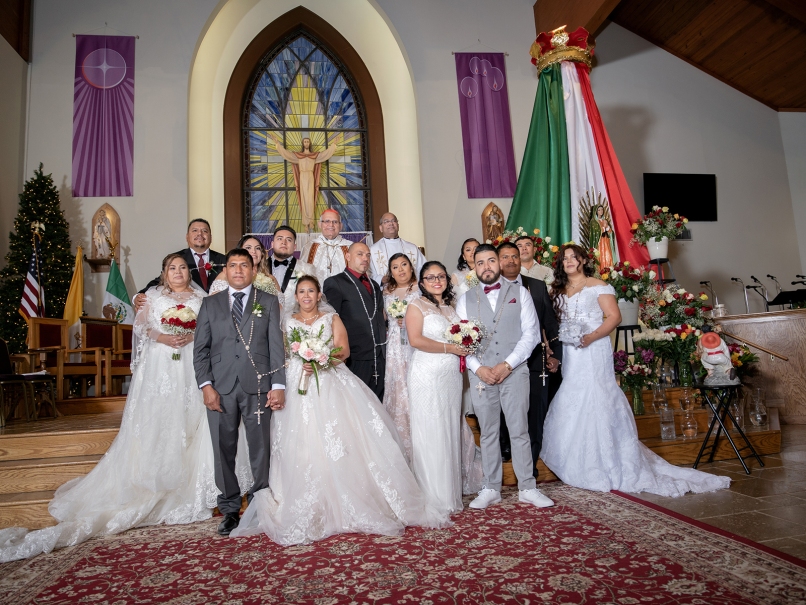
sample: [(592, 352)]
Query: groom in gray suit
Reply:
[(239, 360), (500, 376)]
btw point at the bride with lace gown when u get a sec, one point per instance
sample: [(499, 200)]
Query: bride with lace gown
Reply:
[(159, 469), (337, 464), (590, 438), (445, 458)]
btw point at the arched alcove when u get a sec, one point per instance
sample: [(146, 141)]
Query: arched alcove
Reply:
[(365, 31), (298, 24)]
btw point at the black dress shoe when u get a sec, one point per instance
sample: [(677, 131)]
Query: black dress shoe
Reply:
[(506, 454), (229, 523)]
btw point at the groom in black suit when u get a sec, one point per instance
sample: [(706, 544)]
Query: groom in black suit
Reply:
[(204, 264), (359, 302), (542, 366)]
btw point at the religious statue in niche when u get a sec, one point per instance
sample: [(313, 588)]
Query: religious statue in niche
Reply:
[(105, 233), (492, 222), (307, 166), (596, 228)]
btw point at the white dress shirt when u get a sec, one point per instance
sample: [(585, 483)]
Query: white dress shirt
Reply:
[(247, 291), (279, 270), (530, 326), (539, 271)]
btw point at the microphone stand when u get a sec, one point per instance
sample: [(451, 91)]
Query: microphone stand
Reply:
[(710, 287), (777, 285), (744, 289), (758, 290)]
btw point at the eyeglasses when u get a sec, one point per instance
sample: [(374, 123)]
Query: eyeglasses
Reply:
[(432, 278), (330, 222)]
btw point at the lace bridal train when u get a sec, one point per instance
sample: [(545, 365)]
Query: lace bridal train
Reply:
[(159, 469), (337, 464), (590, 438)]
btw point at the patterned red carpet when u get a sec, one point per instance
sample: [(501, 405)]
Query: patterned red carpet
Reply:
[(590, 548)]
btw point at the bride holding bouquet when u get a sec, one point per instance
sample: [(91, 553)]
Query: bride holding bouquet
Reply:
[(337, 464)]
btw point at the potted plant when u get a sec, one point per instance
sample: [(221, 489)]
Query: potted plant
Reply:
[(631, 284), (635, 374), (656, 229), (673, 306)]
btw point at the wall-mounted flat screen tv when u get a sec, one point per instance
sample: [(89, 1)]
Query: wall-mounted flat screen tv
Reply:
[(692, 195)]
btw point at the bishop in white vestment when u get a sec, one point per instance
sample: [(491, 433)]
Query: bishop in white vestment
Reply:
[(326, 252)]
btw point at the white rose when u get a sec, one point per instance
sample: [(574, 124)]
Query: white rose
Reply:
[(652, 275), (635, 288), (545, 255), (547, 240)]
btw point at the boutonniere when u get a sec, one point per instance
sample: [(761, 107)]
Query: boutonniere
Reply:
[(207, 266), (257, 309)]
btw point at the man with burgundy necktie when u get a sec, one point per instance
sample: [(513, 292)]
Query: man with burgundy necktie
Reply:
[(359, 302), (204, 264)]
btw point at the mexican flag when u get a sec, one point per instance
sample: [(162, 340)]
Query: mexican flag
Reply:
[(116, 298), (571, 185)]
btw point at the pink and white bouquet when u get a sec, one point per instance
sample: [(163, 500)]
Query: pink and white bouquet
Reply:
[(314, 349), (177, 321), (466, 333)]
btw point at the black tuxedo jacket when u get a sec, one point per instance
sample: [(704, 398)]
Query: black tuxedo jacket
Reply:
[(346, 298), (216, 260), (548, 322), (289, 272)]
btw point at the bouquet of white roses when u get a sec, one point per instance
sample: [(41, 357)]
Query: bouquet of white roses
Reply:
[(178, 320), (397, 310), (265, 283), (314, 349), (466, 333)]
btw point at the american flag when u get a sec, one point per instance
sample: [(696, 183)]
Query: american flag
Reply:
[(33, 295)]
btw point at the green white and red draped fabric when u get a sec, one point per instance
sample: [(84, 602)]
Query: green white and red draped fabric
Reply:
[(568, 156)]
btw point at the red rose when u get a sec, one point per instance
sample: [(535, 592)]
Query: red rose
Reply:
[(707, 308), (623, 288), (467, 341), (676, 296), (539, 240), (207, 266), (455, 329), (689, 311), (180, 306)]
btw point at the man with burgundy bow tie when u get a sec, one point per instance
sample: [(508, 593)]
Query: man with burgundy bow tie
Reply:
[(359, 302), (499, 379), (283, 265)]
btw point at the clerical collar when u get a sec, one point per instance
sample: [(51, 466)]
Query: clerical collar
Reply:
[(336, 241), (392, 239)]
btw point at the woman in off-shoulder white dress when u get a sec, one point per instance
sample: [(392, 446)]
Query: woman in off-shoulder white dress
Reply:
[(589, 438)]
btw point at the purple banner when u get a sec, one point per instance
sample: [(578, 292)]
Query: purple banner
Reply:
[(103, 117), (486, 127)]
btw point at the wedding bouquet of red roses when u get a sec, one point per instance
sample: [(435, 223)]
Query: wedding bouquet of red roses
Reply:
[(466, 333), (177, 321)]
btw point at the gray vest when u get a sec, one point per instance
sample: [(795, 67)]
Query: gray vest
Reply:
[(502, 336)]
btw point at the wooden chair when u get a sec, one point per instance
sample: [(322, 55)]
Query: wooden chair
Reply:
[(12, 386), (120, 365), (99, 332), (50, 341)]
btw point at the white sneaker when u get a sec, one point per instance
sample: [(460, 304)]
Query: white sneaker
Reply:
[(534, 496), (485, 498)]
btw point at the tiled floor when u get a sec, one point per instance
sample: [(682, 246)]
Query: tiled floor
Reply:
[(767, 506)]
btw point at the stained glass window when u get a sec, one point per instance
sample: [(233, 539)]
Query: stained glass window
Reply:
[(302, 91)]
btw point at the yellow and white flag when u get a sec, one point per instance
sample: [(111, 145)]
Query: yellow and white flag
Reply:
[(74, 307)]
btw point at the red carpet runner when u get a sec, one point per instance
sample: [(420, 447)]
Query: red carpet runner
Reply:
[(590, 548)]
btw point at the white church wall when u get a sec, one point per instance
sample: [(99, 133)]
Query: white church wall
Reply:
[(153, 220), (13, 89), (664, 115), (793, 132)]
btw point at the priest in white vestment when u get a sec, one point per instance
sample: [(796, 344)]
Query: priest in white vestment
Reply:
[(389, 245), (327, 251)]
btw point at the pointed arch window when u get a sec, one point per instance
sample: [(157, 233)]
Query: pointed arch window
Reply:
[(300, 91)]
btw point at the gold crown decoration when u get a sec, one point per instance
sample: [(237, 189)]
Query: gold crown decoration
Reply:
[(553, 47)]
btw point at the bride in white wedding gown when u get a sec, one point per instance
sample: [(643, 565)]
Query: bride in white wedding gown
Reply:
[(159, 469), (337, 464), (589, 438)]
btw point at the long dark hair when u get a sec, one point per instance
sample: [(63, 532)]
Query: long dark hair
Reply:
[(263, 265), (447, 295), (391, 284), (167, 261), (558, 286), (462, 264)]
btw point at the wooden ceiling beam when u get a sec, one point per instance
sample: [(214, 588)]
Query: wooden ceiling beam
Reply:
[(591, 14)]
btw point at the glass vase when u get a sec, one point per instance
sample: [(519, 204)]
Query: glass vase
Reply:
[(688, 424), (658, 397), (637, 401), (685, 375)]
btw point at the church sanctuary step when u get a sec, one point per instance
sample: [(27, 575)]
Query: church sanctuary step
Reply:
[(91, 405), (27, 509), (43, 474)]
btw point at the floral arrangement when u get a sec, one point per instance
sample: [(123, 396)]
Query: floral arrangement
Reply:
[(544, 250), (472, 279), (314, 349), (265, 283), (634, 374), (683, 343), (673, 306), (397, 308), (656, 225), (629, 282), (177, 321), (652, 340), (466, 333)]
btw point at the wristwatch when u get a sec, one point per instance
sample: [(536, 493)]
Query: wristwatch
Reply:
[(509, 367)]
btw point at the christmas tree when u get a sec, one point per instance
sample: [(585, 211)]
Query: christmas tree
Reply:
[(39, 203)]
